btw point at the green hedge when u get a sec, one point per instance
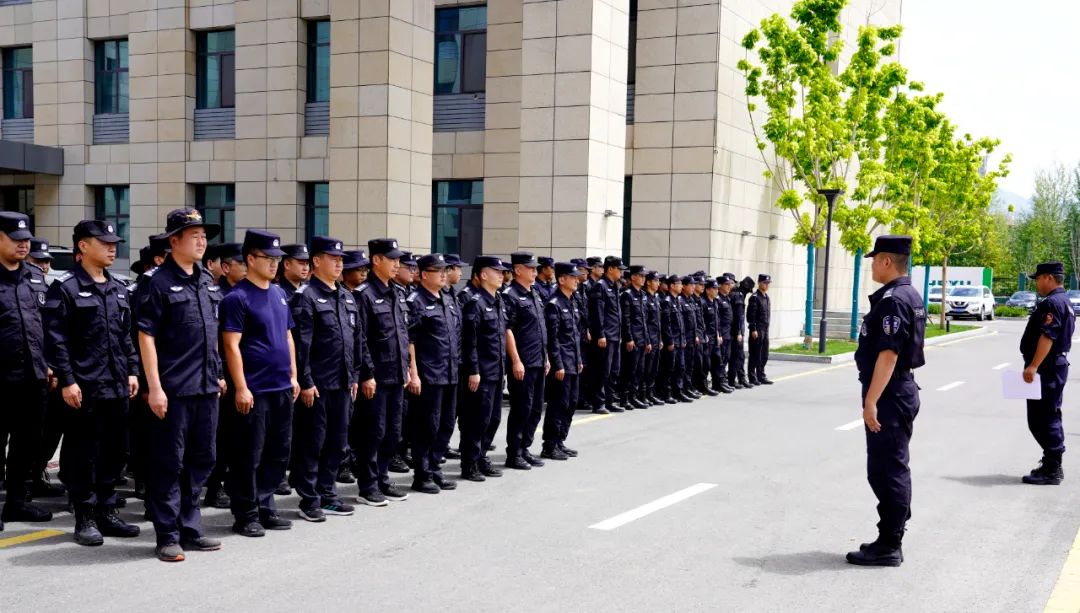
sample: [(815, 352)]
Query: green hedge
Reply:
[(934, 309), (1006, 311)]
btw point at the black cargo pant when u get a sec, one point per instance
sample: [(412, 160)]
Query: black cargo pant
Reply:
[(669, 379), (718, 362), (95, 451), (479, 417), (526, 408), (378, 429), (259, 452), (604, 373), (759, 356), (319, 441), (736, 368), (631, 371), (21, 407), (887, 453), (426, 413), (1044, 415), (560, 410), (52, 431)]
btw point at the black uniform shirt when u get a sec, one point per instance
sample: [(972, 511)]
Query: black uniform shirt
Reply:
[(385, 320), (699, 317), (525, 317), (330, 345), (709, 313), (435, 332), (724, 317), (738, 312), (1053, 318), (757, 313), (633, 317), (22, 293), (652, 319), (564, 338), (604, 314), (483, 335), (671, 331), (290, 289), (896, 322), (687, 318)]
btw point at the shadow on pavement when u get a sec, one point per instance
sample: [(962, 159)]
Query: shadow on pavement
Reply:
[(986, 480), (796, 563), (63, 552)]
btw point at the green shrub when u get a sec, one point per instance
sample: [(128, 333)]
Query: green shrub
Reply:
[(934, 309), (1006, 311)]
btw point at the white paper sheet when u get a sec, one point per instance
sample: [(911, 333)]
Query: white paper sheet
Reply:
[(1013, 386)]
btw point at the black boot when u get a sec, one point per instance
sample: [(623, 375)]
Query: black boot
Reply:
[(1049, 472), (86, 530), (724, 388), (704, 389), (110, 524), (885, 551), (735, 384), (745, 383), (43, 487)]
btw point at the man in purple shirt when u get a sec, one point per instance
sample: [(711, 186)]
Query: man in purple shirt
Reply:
[(256, 324)]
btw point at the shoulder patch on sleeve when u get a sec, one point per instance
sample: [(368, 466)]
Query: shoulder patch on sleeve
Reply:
[(411, 298)]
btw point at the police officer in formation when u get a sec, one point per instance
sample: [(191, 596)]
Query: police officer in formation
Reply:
[(605, 328), (1045, 346), (757, 320), (527, 360), (737, 356), (565, 350), (295, 269), (634, 341)]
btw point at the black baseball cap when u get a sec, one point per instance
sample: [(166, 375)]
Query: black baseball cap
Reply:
[(180, 219), (159, 246), (489, 261), (327, 245), (727, 280), (39, 249), (594, 261), (546, 261), (267, 242), (354, 259), (765, 278), (1048, 268), (453, 259), (673, 279), (230, 251), (614, 261), (145, 261), (386, 247), (651, 275), (297, 251), (711, 284), (15, 225), (891, 243), (525, 258), (94, 228), (432, 261), (407, 259), (567, 268), (636, 270)]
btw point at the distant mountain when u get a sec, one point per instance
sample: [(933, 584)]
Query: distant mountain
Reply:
[(1020, 203)]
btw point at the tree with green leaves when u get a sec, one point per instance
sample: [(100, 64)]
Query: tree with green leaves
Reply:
[(816, 117)]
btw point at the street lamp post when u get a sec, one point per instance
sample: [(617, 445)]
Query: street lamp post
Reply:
[(830, 197)]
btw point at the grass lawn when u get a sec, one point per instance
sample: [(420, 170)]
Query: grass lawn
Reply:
[(836, 346)]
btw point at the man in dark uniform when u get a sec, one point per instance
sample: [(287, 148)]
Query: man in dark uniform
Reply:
[(653, 349), (694, 330), (39, 255), (435, 344), (708, 341), (178, 345), (718, 293), (211, 261), (354, 272), (736, 371), (383, 376), (890, 349), (233, 267), (23, 369), (634, 342), (446, 427), (673, 342), (88, 326), (329, 347), (404, 280), (757, 320), (564, 349), (545, 277), (581, 298), (605, 327), (1045, 347), (483, 363), (527, 361), (295, 269)]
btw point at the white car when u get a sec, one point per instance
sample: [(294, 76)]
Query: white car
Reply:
[(970, 301)]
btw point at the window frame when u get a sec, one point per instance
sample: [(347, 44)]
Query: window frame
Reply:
[(25, 74), (225, 215), (313, 47), (311, 207), (474, 206), (226, 71), (119, 73), (465, 40), (120, 217)]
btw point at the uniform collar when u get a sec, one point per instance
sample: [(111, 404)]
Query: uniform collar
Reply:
[(1056, 290), (897, 282), (520, 287), (377, 284), (84, 278), (322, 288), (13, 276), (196, 270)]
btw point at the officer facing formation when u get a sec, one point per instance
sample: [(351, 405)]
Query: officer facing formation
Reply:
[(890, 349), (1045, 346), (757, 320)]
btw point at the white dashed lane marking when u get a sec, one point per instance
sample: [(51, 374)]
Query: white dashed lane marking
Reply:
[(951, 386)]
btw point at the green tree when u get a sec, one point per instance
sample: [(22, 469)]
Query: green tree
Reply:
[(816, 117), (1046, 231)]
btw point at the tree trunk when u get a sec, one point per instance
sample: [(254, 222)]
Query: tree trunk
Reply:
[(944, 289)]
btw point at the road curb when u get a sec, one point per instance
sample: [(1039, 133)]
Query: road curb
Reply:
[(842, 358)]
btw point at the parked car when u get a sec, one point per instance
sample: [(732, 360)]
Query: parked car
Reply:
[(970, 301), (1023, 300), (935, 295), (1074, 300), (64, 260)]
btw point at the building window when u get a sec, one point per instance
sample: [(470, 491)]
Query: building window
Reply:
[(19, 199), (460, 50), (112, 205), (215, 70), (317, 211), (627, 206), (318, 61), (217, 204), (18, 65), (457, 218), (631, 55), (111, 76)]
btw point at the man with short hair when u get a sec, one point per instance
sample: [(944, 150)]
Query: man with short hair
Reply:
[(261, 357), (88, 325), (295, 269), (211, 261), (1044, 346), (526, 352), (545, 277), (564, 349), (178, 345), (329, 348), (23, 368), (605, 326), (736, 371)]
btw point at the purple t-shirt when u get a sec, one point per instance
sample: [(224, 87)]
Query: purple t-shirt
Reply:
[(263, 319)]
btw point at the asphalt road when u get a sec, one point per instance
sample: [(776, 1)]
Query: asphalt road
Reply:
[(790, 498)]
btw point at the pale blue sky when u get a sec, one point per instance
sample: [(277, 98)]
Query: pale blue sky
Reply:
[(1009, 69)]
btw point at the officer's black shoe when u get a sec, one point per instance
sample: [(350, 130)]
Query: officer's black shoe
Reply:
[(724, 388), (24, 511), (568, 451), (488, 470), (683, 397), (708, 392), (877, 554), (472, 473), (169, 552), (753, 382), (764, 381), (614, 409), (443, 482), (626, 406), (554, 454), (452, 454), (1049, 472), (693, 393), (275, 522), (120, 481), (338, 508), (217, 499), (372, 499), (425, 487), (200, 543), (394, 493), (345, 475), (518, 463), (86, 530), (248, 528), (531, 459), (110, 524), (638, 404), (655, 400), (398, 465), (491, 447), (43, 487), (600, 411), (140, 490), (735, 385), (314, 515), (283, 489), (670, 400)]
